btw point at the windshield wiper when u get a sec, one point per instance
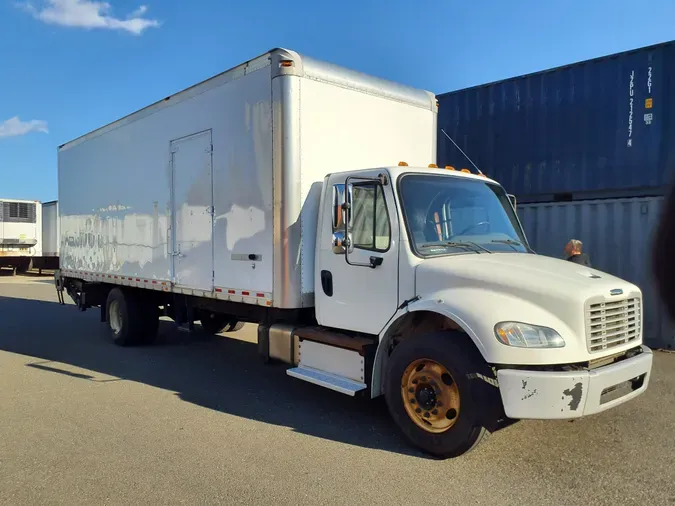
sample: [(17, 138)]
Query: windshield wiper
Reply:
[(468, 245), (512, 243)]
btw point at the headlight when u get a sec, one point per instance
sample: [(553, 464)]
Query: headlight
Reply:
[(522, 335)]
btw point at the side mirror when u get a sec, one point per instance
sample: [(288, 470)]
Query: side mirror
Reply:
[(338, 210), (340, 244), (340, 215), (512, 198)]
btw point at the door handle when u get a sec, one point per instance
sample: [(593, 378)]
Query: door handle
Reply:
[(168, 241), (375, 261), (327, 282)]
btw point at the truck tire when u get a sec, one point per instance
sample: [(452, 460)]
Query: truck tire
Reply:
[(24, 266), (435, 395), (234, 326), (131, 319), (151, 323), (214, 323)]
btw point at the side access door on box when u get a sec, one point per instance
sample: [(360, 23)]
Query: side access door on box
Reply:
[(192, 211)]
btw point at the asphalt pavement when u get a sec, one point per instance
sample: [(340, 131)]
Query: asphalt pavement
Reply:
[(202, 421)]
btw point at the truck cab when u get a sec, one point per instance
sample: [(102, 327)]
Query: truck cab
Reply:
[(472, 326)]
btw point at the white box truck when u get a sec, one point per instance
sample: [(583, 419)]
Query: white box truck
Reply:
[(20, 233), (302, 196)]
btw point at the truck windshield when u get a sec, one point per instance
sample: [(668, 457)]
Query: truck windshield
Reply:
[(451, 215)]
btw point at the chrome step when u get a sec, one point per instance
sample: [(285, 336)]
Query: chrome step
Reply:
[(327, 380)]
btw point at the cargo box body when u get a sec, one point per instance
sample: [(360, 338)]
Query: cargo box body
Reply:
[(215, 191), (601, 128)]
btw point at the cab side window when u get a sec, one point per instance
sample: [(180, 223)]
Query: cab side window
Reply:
[(371, 229)]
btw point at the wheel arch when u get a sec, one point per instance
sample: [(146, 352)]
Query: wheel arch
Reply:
[(417, 320)]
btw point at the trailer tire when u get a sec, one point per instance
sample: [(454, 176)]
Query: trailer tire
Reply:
[(435, 394), (131, 319), (24, 266)]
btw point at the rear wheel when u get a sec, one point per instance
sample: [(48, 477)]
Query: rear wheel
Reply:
[(214, 323), (24, 266), (435, 395), (233, 326), (131, 318)]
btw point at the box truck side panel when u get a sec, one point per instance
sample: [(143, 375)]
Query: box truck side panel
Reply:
[(242, 156), (349, 129), (143, 196)]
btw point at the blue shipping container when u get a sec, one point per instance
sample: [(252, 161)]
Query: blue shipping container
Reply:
[(599, 128), (617, 234)]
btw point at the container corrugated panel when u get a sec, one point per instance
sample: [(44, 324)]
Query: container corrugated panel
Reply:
[(617, 235), (599, 128)]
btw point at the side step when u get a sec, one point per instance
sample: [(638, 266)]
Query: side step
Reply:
[(327, 380)]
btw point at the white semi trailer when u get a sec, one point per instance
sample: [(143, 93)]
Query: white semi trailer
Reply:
[(302, 196), (49, 238)]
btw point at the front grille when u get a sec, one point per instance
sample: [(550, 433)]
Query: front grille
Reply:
[(612, 323)]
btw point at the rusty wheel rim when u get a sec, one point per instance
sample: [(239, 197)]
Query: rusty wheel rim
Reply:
[(430, 395)]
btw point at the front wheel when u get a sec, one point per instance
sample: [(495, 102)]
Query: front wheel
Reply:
[(435, 393)]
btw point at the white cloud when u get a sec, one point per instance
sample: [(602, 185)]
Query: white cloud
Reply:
[(138, 12), (14, 127), (90, 14)]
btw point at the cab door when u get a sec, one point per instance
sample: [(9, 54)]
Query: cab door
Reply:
[(356, 284)]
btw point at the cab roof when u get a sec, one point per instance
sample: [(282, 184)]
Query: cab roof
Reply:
[(404, 169)]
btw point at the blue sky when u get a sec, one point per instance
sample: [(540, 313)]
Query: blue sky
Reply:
[(70, 66)]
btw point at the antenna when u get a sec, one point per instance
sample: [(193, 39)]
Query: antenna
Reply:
[(460, 150)]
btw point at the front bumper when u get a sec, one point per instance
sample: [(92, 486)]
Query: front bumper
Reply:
[(561, 395)]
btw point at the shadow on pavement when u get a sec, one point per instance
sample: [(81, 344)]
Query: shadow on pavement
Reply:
[(222, 374)]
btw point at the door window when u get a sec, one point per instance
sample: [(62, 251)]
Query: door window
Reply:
[(371, 229)]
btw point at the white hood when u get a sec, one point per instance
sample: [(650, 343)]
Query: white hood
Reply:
[(484, 289)]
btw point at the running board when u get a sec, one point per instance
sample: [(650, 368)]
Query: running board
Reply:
[(327, 380)]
